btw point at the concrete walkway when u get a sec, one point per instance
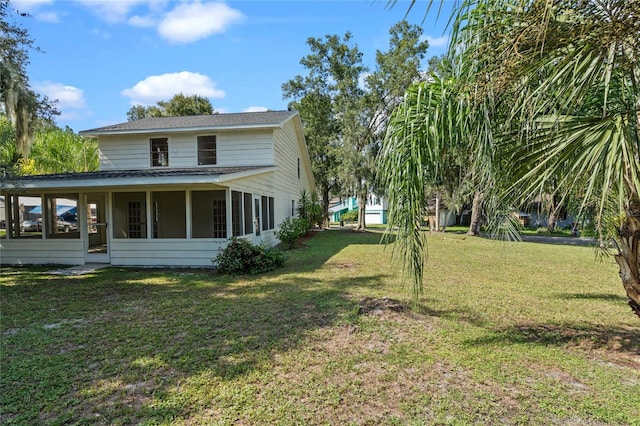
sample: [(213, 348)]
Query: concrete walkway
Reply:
[(79, 270), (570, 241)]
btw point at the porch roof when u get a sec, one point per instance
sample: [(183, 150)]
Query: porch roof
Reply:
[(124, 178)]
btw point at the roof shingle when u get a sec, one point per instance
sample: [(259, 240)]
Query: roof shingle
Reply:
[(213, 121), (155, 172)]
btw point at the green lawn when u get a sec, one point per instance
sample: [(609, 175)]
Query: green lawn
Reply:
[(507, 333)]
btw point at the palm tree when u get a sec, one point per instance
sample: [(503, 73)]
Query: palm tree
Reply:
[(560, 81), (56, 150)]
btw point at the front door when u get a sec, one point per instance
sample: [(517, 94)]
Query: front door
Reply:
[(97, 234)]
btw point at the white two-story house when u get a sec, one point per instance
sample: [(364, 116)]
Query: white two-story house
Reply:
[(170, 191)]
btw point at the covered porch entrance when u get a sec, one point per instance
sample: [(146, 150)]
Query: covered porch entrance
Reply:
[(97, 241)]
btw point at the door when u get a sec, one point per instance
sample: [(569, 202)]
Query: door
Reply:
[(97, 232)]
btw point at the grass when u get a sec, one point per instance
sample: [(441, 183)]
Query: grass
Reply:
[(507, 333)]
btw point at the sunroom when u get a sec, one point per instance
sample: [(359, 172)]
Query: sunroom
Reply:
[(180, 219)]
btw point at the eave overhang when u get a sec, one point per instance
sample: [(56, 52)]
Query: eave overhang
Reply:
[(133, 178)]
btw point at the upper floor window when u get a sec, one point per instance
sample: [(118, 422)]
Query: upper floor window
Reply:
[(206, 150), (159, 152)]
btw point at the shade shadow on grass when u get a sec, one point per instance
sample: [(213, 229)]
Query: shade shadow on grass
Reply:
[(625, 341), (591, 296)]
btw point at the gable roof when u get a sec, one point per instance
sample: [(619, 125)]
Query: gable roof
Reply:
[(241, 120)]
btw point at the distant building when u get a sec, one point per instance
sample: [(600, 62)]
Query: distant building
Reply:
[(375, 213)]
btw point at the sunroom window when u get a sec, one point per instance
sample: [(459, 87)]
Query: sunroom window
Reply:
[(62, 216), (209, 214), (130, 215), (169, 214)]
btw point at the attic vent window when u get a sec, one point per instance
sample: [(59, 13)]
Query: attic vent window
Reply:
[(160, 152), (207, 150)]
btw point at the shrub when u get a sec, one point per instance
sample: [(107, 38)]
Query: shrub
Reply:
[(291, 229), (243, 257), (309, 208), (350, 216)]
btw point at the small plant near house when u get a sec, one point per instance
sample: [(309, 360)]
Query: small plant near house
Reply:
[(309, 208), (243, 257), (291, 229)]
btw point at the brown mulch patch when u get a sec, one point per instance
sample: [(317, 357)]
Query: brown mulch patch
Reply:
[(374, 306)]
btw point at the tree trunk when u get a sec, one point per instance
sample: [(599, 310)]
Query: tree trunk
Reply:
[(476, 210), (436, 226), (325, 206), (553, 218), (551, 222), (362, 209), (628, 257)]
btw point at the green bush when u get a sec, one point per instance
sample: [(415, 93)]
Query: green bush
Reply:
[(243, 257), (291, 229), (350, 216), (309, 208)]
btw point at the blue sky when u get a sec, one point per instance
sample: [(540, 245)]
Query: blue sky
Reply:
[(102, 56)]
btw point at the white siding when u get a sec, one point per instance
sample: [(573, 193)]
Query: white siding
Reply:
[(287, 185), (247, 148), (183, 150), (238, 148), (125, 152), (165, 252), (41, 252)]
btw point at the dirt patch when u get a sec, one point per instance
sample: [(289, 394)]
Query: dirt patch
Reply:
[(373, 306), (350, 266)]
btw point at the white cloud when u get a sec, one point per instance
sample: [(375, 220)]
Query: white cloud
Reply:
[(190, 22), (33, 7), (163, 87), (256, 109), (442, 41), (51, 17), (71, 102), (142, 21), (29, 5), (114, 11), (67, 96)]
